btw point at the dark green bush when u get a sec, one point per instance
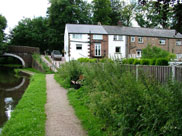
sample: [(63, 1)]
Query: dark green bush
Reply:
[(136, 62), (131, 60), (145, 61), (125, 61), (152, 61), (162, 62)]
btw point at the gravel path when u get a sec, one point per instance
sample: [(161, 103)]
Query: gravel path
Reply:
[(61, 120)]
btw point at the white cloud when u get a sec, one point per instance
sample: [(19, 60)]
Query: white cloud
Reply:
[(15, 10)]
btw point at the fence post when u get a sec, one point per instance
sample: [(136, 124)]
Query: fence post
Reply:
[(173, 72), (137, 72)]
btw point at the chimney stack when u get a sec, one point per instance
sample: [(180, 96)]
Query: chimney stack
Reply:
[(99, 23), (120, 23)]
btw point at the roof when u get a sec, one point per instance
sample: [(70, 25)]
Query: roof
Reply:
[(133, 31)]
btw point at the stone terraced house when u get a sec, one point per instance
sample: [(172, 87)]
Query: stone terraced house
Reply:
[(98, 41)]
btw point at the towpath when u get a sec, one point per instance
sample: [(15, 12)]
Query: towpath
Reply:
[(61, 120)]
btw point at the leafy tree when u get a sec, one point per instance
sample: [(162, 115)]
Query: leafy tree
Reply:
[(154, 14), (102, 11), (154, 52), (127, 15), (31, 32), (166, 8), (115, 15), (3, 24), (62, 12)]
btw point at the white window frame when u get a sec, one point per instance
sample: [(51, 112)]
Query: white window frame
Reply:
[(78, 45), (140, 53), (132, 39), (162, 41), (97, 49), (97, 37), (118, 38), (119, 49), (77, 36), (178, 42), (140, 41)]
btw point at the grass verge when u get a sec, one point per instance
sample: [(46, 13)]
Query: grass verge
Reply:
[(89, 122), (28, 118)]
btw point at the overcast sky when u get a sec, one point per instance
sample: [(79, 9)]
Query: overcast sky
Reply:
[(15, 10)]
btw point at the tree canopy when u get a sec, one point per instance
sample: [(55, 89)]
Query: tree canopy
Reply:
[(3, 24)]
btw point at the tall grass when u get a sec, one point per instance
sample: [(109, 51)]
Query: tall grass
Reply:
[(123, 105)]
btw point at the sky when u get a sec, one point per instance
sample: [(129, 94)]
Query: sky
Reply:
[(16, 10)]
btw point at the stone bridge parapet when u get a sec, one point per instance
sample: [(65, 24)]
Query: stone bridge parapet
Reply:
[(24, 52)]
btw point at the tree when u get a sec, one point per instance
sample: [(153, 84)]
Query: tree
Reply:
[(102, 11), (31, 32), (115, 12), (3, 24), (154, 14), (176, 11), (154, 52), (127, 14)]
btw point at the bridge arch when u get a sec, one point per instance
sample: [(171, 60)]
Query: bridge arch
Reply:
[(15, 56)]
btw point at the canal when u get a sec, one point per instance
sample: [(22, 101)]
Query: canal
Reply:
[(12, 87)]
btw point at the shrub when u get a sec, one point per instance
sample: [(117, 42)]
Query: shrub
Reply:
[(145, 61), (162, 62), (136, 62), (152, 61), (125, 61), (131, 60)]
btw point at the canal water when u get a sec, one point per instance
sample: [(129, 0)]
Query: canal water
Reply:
[(12, 87)]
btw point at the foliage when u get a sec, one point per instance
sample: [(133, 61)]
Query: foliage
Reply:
[(28, 118), (152, 61), (162, 61), (136, 62), (124, 105), (127, 14), (145, 61), (87, 60), (37, 57), (3, 23), (115, 12), (153, 52), (154, 14), (31, 32), (102, 11)]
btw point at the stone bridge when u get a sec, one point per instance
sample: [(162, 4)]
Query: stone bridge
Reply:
[(23, 53)]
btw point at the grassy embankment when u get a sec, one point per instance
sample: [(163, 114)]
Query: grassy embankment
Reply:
[(112, 102), (28, 118), (47, 70)]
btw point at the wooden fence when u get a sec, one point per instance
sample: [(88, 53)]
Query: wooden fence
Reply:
[(159, 73)]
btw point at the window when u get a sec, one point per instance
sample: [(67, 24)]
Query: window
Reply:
[(78, 46), (138, 53), (118, 50), (118, 38), (162, 41), (140, 39), (178, 42), (97, 37), (97, 49), (77, 36), (132, 39)]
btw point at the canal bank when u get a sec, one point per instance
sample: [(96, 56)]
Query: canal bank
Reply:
[(28, 118)]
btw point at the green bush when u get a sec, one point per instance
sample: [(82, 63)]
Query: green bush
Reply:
[(131, 60), (145, 61), (136, 62), (152, 61), (126, 106), (162, 62), (125, 61)]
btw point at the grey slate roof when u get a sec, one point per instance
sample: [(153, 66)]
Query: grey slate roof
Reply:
[(132, 31), (86, 29)]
